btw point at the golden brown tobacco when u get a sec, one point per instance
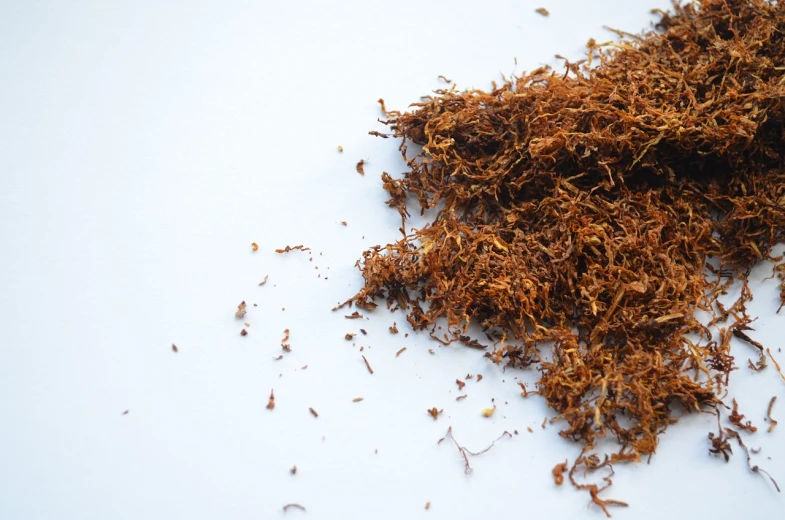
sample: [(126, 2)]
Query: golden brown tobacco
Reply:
[(584, 216)]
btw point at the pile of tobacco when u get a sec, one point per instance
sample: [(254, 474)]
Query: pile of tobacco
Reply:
[(584, 217)]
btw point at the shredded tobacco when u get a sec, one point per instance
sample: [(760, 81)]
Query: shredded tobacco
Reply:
[(584, 216), (465, 452), (736, 419)]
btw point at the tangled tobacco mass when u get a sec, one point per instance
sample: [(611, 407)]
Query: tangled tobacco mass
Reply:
[(586, 215)]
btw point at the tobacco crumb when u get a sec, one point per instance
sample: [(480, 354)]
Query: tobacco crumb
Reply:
[(278, 358), (394, 328), (293, 471), (364, 332), (469, 376), (263, 281), (344, 223), (240, 310), (487, 412), (368, 365), (558, 473), (430, 351), (349, 336), (427, 506), (125, 413), (360, 168), (460, 384), (243, 332), (542, 11), (313, 412), (285, 336), (381, 103), (400, 352), (461, 397), (530, 429), (254, 246), (286, 346), (353, 316), (340, 148), (479, 377), (357, 399), (444, 78), (295, 506), (174, 348), (303, 367), (544, 420), (434, 412), (271, 402)]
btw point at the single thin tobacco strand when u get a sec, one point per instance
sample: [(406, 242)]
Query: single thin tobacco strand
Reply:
[(772, 422), (368, 365)]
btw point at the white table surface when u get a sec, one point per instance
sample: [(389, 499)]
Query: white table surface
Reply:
[(144, 146)]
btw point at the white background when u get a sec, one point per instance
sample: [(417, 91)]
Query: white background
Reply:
[(144, 146)]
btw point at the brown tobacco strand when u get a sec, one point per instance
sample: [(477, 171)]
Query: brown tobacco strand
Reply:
[(292, 248), (400, 352), (295, 506), (368, 365), (465, 453), (577, 209), (772, 422)]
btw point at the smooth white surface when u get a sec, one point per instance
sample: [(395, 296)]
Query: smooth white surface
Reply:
[(144, 146)]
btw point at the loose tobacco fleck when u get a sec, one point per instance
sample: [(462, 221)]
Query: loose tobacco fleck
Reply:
[(578, 211)]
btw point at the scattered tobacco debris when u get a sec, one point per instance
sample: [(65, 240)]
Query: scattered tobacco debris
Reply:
[(243, 332), (577, 211), (271, 402), (357, 399), (340, 148), (344, 223), (264, 281), (542, 11), (461, 397), (544, 420), (427, 506), (280, 357), (394, 328), (430, 351), (360, 168), (285, 336), (247, 324), (292, 248), (304, 367), (530, 429), (755, 469), (353, 316), (240, 310), (295, 506), (400, 352), (434, 412), (174, 348), (368, 365), (772, 422), (558, 472), (735, 418), (479, 377), (254, 247), (313, 412), (381, 103), (125, 413), (465, 452), (349, 336), (444, 78), (293, 471), (460, 384), (365, 333)]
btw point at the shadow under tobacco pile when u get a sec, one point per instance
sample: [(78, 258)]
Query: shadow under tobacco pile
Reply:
[(580, 211)]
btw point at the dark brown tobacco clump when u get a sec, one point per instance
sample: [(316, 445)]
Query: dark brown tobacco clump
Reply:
[(586, 215)]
